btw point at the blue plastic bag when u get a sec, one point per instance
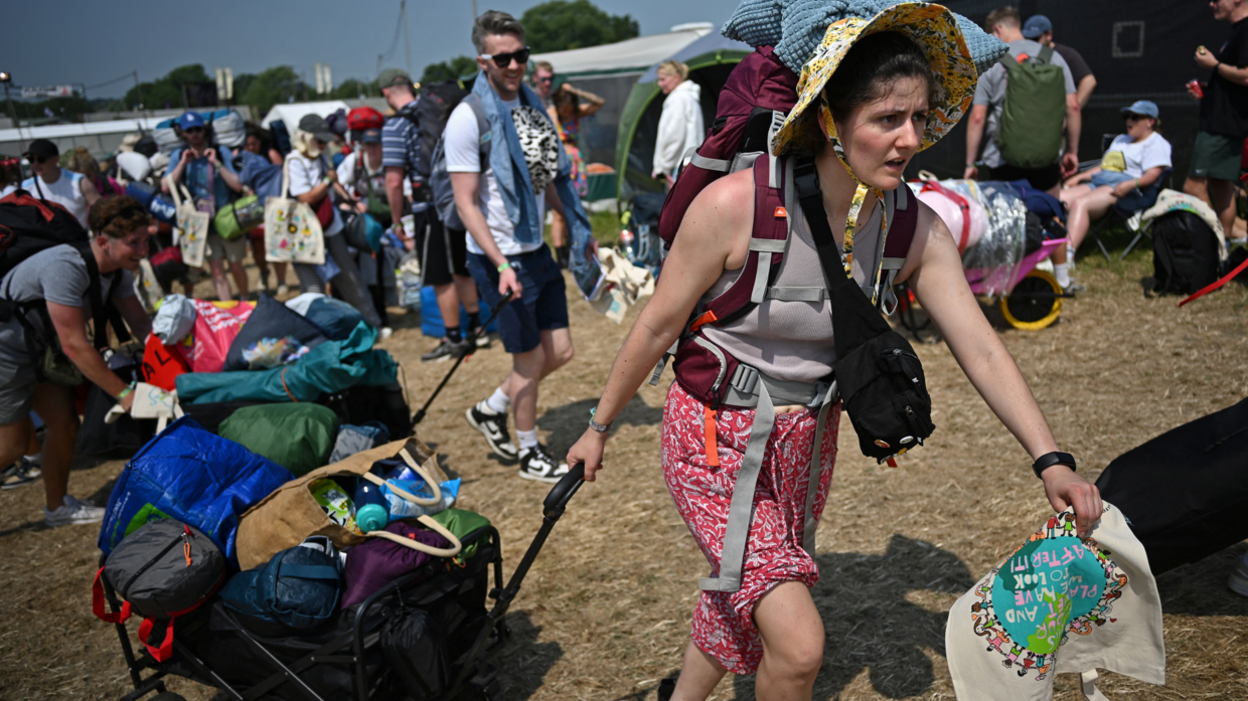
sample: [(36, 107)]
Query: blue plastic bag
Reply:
[(196, 477)]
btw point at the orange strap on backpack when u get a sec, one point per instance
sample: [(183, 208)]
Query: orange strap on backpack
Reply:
[(712, 442)]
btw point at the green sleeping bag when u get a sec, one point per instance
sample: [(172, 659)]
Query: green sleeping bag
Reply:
[(298, 436)]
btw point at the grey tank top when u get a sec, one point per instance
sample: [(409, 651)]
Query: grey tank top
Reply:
[(791, 340)]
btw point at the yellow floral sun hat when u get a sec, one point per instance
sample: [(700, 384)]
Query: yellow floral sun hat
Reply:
[(932, 27)]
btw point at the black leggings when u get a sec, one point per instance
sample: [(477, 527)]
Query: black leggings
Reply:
[(347, 282)]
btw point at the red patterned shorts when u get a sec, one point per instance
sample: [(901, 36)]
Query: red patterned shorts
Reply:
[(723, 622)]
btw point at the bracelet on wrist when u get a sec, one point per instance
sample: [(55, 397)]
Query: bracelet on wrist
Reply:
[(128, 390), (595, 426), (504, 266), (1048, 460)]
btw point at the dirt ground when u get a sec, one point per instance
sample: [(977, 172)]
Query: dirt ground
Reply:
[(604, 614)]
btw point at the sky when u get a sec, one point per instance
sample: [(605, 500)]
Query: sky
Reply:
[(73, 41)]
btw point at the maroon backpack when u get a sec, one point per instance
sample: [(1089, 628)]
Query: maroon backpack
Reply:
[(703, 369), (754, 101)]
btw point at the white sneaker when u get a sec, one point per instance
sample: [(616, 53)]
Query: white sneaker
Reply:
[(72, 512), (384, 333), (537, 464)]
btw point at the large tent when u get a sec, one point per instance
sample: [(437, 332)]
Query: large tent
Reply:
[(610, 71), (710, 60)]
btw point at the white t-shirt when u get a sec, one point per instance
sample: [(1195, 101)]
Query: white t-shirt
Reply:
[(66, 191), (1127, 156), (346, 176), (463, 155), (306, 174)]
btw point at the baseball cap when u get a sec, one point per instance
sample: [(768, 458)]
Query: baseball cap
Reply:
[(190, 119), (1036, 25), (315, 125), (394, 76), (42, 148), (370, 136), (1146, 108)]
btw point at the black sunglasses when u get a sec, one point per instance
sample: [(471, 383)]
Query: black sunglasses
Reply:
[(193, 130), (43, 159), (504, 60), (551, 79)]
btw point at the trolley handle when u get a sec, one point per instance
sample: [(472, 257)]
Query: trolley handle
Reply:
[(559, 496)]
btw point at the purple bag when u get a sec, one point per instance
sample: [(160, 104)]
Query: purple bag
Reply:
[(376, 562)]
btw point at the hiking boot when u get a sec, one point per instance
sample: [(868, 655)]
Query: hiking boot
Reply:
[(1238, 581), (493, 426), (20, 474), (448, 349), (537, 464), (71, 512)]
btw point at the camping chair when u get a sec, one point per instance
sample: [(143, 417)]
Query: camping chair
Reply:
[(1132, 218)]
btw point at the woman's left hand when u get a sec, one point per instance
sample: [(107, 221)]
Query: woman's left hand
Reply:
[(1065, 487), (1124, 188)]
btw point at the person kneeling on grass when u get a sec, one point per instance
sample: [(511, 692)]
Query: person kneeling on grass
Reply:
[(873, 95), (58, 277)]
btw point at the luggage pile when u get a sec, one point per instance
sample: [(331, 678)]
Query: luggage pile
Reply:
[(355, 580)]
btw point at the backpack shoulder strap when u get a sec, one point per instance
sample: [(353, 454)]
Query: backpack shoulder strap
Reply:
[(1046, 55), (485, 133), (902, 210)]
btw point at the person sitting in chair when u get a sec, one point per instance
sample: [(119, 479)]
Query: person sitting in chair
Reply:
[(1127, 177)]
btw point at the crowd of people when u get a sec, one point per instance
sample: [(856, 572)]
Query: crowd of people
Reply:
[(868, 102)]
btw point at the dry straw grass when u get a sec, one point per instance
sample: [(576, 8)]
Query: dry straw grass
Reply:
[(604, 613)]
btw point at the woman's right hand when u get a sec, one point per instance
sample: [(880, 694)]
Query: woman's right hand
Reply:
[(588, 450)]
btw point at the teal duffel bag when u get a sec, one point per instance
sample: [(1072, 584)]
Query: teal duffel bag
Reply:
[(239, 217)]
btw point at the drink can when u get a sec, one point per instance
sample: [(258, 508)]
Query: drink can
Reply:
[(1193, 86)]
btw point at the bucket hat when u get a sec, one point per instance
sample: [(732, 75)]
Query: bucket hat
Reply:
[(932, 27)]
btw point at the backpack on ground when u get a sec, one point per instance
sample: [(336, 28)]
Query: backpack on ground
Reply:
[(1184, 492), (163, 570), (1029, 134), (430, 115), (757, 96), (299, 588), (1185, 253), (29, 225), (440, 180)]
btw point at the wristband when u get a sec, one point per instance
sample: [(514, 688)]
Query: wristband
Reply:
[(1048, 460), (594, 425), (122, 395), (504, 266)]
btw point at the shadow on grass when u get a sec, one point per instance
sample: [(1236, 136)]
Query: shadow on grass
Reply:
[(524, 662), (871, 625), (1199, 588), (568, 422)]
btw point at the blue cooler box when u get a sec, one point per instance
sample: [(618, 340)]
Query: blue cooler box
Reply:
[(431, 317)]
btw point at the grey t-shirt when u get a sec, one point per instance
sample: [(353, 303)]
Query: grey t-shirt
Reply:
[(991, 91), (59, 275)]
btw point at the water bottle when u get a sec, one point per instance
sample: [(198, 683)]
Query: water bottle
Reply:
[(371, 513)]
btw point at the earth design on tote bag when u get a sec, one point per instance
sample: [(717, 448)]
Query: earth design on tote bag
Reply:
[(1053, 585)]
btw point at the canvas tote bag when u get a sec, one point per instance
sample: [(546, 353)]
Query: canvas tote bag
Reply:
[(292, 232), (290, 514), (193, 224)]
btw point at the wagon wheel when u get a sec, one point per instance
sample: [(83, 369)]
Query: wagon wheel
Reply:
[(1034, 303), (918, 324)]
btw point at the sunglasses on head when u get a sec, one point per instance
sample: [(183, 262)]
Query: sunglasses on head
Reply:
[(504, 60)]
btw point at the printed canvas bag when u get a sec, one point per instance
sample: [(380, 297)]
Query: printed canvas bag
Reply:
[(292, 233), (1059, 604), (194, 226)]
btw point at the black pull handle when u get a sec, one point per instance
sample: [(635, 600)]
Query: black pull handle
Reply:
[(560, 494)]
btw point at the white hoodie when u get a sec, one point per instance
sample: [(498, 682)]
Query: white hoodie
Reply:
[(680, 127)]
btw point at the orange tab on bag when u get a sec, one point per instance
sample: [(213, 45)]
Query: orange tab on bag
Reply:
[(706, 318), (712, 443), (782, 213)]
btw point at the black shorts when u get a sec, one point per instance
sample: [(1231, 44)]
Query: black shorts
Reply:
[(1040, 178), (443, 252)]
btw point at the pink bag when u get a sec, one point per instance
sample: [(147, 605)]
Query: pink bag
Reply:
[(216, 325)]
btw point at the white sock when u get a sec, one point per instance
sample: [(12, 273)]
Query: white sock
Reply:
[(1062, 272), (498, 402), (528, 439)]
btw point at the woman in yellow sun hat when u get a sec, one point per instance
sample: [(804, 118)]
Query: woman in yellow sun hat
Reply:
[(875, 92)]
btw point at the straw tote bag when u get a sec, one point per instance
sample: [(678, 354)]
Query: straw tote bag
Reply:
[(290, 514)]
